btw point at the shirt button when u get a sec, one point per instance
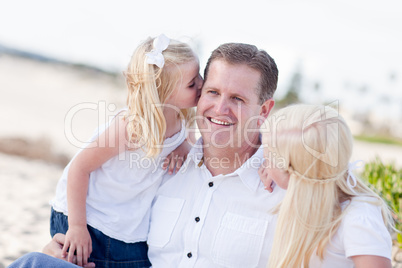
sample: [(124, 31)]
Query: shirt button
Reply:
[(197, 219), (211, 184), (189, 255)]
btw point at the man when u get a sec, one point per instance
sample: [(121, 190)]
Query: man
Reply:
[(215, 211)]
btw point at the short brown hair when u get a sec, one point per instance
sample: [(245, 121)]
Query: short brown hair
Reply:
[(257, 59)]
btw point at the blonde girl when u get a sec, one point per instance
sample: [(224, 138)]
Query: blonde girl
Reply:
[(107, 189), (328, 218)]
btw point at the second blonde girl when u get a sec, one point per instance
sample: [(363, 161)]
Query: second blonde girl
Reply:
[(328, 218)]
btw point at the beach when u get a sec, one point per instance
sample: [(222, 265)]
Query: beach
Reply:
[(47, 112), (38, 101), (25, 191)]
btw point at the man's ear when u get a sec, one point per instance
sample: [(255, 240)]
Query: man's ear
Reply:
[(265, 109)]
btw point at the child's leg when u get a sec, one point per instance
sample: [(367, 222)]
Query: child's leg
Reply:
[(106, 251), (36, 259), (58, 223), (113, 253)]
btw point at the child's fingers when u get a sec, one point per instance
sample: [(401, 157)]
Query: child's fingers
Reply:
[(179, 164), (85, 255), (172, 164), (70, 257), (266, 180), (166, 163), (269, 188), (90, 249), (268, 183), (79, 255), (65, 248), (261, 171)]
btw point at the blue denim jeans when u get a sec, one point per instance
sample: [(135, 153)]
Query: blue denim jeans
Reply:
[(107, 252), (36, 259)]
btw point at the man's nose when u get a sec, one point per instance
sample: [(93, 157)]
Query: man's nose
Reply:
[(222, 106)]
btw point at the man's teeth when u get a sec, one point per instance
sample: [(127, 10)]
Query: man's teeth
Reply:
[(220, 122)]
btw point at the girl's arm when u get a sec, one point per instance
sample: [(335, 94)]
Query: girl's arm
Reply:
[(108, 144), (175, 159), (371, 261)]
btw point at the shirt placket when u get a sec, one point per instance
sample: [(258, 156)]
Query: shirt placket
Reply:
[(202, 205)]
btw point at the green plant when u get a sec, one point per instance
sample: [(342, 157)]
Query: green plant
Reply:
[(386, 180), (379, 139)]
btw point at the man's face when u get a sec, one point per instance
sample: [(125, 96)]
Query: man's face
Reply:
[(229, 113)]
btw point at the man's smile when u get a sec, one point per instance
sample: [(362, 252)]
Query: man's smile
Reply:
[(220, 122)]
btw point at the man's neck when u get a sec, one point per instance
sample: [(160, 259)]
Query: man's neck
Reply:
[(227, 160)]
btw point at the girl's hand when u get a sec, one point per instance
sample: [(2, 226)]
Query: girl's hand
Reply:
[(265, 178), (175, 159), (77, 241)]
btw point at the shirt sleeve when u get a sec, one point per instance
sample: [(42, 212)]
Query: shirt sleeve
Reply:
[(364, 232)]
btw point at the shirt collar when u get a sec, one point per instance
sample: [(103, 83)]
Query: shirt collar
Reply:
[(248, 172)]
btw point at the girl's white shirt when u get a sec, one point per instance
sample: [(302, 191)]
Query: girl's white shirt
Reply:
[(361, 232), (121, 191)]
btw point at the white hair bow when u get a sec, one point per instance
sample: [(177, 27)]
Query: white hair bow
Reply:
[(155, 56), (351, 176)]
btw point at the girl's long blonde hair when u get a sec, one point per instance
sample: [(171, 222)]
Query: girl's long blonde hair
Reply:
[(315, 145), (148, 88)]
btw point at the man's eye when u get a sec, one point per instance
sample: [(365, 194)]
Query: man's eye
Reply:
[(238, 99), (213, 92)]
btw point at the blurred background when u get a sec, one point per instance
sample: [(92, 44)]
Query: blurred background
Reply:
[(61, 67)]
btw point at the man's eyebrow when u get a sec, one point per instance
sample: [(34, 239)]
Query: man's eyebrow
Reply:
[(210, 87)]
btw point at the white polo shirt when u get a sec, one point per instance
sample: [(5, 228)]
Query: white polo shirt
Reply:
[(200, 220)]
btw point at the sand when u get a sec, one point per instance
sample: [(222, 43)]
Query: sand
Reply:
[(38, 101), (26, 186)]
